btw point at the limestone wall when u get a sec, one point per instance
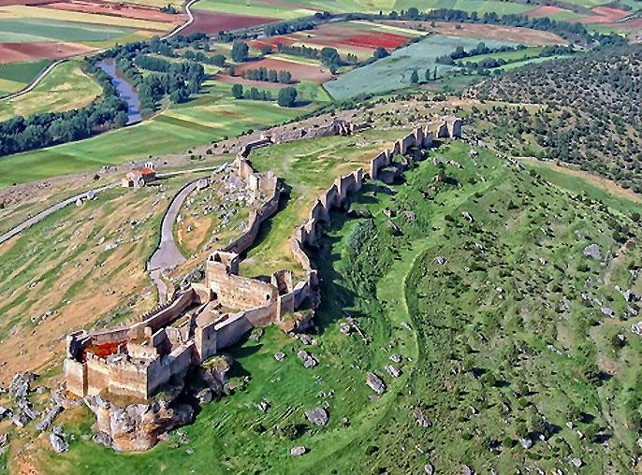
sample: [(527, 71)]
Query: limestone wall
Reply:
[(75, 376), (161, 370), (231, 331)]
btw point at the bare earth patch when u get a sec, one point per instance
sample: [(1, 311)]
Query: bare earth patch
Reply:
[(299, 71), (213, 22), (14, 52)]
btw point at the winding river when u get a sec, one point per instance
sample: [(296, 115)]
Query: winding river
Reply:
[(124, 89)]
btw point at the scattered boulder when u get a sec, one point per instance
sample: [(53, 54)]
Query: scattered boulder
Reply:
[(298, 451), (577, 462), (421, 418), (263, 406), (375, 383), (441, 260), (593, 251), (308, 360), (4, 442), (466, 470), (526, 442), (429, 469), (318, 416), (468, 216), (58, 443), (49, 418), (395, 358), (21, 385), (392, 371), (204, 396), (279, 356), (4, 412)]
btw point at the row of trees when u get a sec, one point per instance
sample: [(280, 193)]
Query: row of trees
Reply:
[(481, 48), (253, 94), (271, 75), (329, 57), (570, 31), (286, 98)]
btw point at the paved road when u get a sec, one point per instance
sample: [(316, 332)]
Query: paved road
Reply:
[(189, 21), (38, 79), (48, 212), (167, 254)]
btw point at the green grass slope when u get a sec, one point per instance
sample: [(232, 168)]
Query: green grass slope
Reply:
[(506, 340)]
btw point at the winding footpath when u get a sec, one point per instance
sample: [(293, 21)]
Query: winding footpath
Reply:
[(38, 79)]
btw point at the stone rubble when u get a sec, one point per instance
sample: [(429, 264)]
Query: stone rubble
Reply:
[(375, 383), (318, 416), (308, 360)]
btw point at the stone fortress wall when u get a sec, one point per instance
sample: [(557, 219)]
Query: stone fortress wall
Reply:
[(140, 358)]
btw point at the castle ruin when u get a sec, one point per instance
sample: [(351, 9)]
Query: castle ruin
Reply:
[(137, 360)]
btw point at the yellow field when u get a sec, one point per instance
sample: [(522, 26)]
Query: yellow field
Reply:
[(10, 86), (66, 87), (23, 11)]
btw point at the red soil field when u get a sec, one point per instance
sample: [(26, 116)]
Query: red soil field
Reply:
[(338, 36), (545, 10), (213, 22), (300, 72), (123, 10), (14, 52), (373, 40), (605, 15)]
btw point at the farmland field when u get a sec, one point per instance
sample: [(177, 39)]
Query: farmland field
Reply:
[(207, 118), (394, 71), (15, 76), (66, 87)]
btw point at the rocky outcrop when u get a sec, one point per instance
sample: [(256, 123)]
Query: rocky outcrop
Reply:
[(137, 427)]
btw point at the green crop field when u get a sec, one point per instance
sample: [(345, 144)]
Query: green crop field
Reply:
[(394, 71), (15, 76), (498, 344), (18, 30), (66, 87), (206, 119)]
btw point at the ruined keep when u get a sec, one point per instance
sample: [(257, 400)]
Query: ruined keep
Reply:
[(139, 359)]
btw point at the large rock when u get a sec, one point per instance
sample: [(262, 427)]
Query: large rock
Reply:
[(21, 385), (375, 383), (58, 443), (318, 416), (298, 451), (49, 418), (308, 360), (593, 251), (137, 427), (4, 443)]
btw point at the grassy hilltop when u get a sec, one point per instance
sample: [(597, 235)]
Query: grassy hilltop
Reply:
[(507, 331)]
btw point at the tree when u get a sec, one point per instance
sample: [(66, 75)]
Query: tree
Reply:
[(414, 77), (287, 97), (237, 91), (240, 51), (434, 75)]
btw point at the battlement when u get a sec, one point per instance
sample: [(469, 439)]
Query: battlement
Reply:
[(140, 357)]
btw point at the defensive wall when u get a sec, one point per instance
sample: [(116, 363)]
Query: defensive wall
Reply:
[(139, 358)]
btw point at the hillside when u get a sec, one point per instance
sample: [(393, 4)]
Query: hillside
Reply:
[(591, 116), (500, 298)]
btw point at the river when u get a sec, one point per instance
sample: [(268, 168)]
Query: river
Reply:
[(124, 89)]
